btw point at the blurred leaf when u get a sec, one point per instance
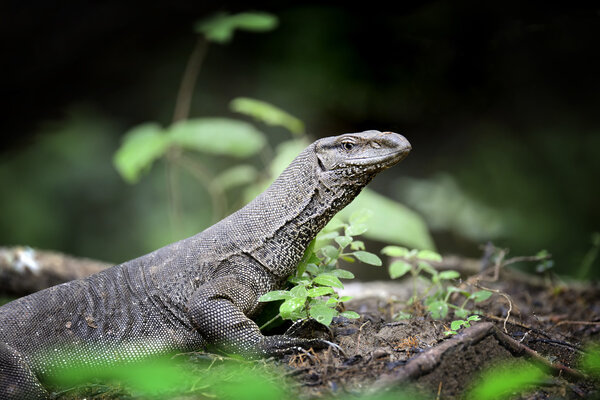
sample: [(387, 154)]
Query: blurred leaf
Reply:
[(319, 291), (399, 268), (357, 245), (141, 146), (293, 308), (391, 221), (330, 251), (429, 255), (460, 313), (275, 295), (342, 273), (267, 113), (368, 258), (480, 296), (299, 292), (590, 361), (360, 216), (350, 315), (447, 275), (329, 280), (343, 241), (427, 268), (438, 309), (239, 175), (446, 206), (323, 313), (220, 28), (356, 229), (221, 136), (395, 251), (505, 381)]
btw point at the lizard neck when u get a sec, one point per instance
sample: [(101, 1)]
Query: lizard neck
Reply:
[(292, 211)]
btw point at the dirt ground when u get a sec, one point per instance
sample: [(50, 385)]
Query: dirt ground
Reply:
[(548, 324)]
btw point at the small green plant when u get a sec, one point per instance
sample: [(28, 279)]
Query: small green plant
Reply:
[(461, 323), (436, 294), (312, 293)]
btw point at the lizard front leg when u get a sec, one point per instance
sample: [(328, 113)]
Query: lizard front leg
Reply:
[(217, 310)]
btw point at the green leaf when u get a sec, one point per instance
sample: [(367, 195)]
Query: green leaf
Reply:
[(312, 268), (474, 318), (267, 113), (450, 274), (461, 313), (399, 268), (141, 146), (368, 258), (348, 259), (456, 325), (299, 292), (221, 136), (360, 216), (275, 295), (357, 245), (402, 315), (328, 236), (429, 255), (343, 241), (328, 280), (480, 296), (330, 251), (319, 291), (504, 381), (332, 301), (323, 314), (293, 309), (239, 175), (342, 273), (344, 298), (438, 309), (427, 268), (392, 222), (220, 28), (356, 229), (350, 315), (395, 251)]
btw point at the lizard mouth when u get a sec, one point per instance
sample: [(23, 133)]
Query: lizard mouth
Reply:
[(387, 160)]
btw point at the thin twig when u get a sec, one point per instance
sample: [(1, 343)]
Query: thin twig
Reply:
[(575, 323), (358, 336), (507, 299), (188, 81)]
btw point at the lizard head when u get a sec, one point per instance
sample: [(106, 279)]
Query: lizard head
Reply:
[(360, 156)]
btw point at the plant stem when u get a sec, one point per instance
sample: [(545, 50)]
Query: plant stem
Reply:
[(188, 81), (269, 322)]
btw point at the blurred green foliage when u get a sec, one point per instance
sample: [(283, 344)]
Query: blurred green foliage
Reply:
[(504, 146), (213, 377), (503, 381)]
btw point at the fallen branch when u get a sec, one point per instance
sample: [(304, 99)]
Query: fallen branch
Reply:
[(24, 270)]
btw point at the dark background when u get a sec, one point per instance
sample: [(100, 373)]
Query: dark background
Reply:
[(499, 99)]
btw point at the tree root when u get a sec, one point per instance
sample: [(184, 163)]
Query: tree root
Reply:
[(427, 361)]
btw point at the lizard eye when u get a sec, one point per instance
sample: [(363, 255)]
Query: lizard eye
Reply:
[(347, 146)]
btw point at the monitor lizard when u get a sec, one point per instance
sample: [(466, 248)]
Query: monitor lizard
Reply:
[(198, 292)]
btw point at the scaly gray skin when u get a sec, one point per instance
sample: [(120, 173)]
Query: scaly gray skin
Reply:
[(198, 292)]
